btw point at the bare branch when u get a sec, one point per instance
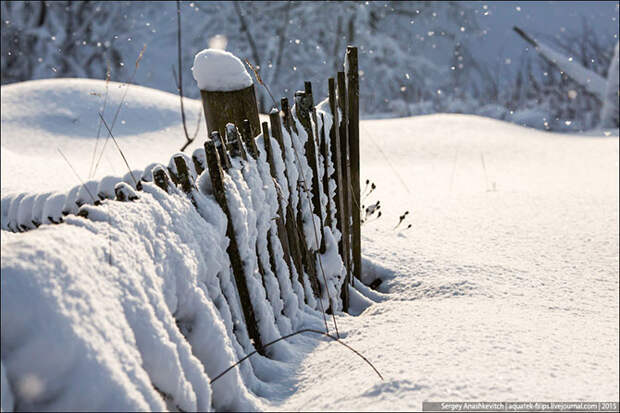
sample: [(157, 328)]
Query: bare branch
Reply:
[(119, 150), (306, 330), (180, 81)]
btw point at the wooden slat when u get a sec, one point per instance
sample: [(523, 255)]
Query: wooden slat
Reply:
[(234, 106), (334, 140), (276, 130), (324, 149), (217, 175), (346, 168), (353, 95), (303, 108), (292, 230)]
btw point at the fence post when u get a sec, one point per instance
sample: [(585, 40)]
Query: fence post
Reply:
[(353, 96), (289, 124), (217, 175), (160, 177), (220, 145), (307, 256), (234, 106), (198, 161), (346, 169), (234, 142), (183, 174), (334, 140), (276, 130), (248, 138), (303, 106), (324, 149), (272, 172), (291, 226)]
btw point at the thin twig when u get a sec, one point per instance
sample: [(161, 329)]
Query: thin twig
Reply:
[(198, 124), (180, 83), (120, 105), (76, 175), (120, 151), (305, 330), (388, 161), (260, 80), (189, 141), (105, 101)]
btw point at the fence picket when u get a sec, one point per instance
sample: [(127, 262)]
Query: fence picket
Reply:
[(334, 140), (217, 176), (346, 169), (353, 95)]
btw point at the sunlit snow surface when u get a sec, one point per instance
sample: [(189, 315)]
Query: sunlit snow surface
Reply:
[(505, 287), (509, 294)]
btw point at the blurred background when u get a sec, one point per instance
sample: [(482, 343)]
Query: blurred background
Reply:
[(416, 57)]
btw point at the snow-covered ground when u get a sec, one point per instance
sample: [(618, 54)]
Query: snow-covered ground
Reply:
[(504, 288), (509, 294)]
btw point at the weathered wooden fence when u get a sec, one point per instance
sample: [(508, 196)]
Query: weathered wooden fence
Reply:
[(311, 157)]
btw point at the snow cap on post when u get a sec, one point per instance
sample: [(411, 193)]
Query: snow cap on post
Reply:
[(218, 70), (227, 91)]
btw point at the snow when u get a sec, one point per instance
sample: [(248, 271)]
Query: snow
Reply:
[(504, 288), (491, 295), (219, 70), (591, 81), (151, 132), (162, 277), (609, 112)]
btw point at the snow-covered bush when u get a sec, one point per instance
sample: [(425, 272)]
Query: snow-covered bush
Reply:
[(60, 38)]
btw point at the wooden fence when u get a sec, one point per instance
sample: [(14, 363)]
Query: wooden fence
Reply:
[(330, 150)]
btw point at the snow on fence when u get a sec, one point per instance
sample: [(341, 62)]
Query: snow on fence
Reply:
[(289, 195)]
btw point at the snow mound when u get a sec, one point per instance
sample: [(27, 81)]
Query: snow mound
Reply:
[(80, 286), (40, 116), (218, 70)]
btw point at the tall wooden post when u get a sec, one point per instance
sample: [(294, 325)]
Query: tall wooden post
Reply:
[(353, 95), (217, 176), (334, 140), (234, 106), (346, 169)]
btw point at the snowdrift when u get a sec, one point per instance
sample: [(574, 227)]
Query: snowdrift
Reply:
[(93, 311), (135, 303)]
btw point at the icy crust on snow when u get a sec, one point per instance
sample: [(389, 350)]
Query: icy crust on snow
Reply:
[(218, 70), (141, 275)]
